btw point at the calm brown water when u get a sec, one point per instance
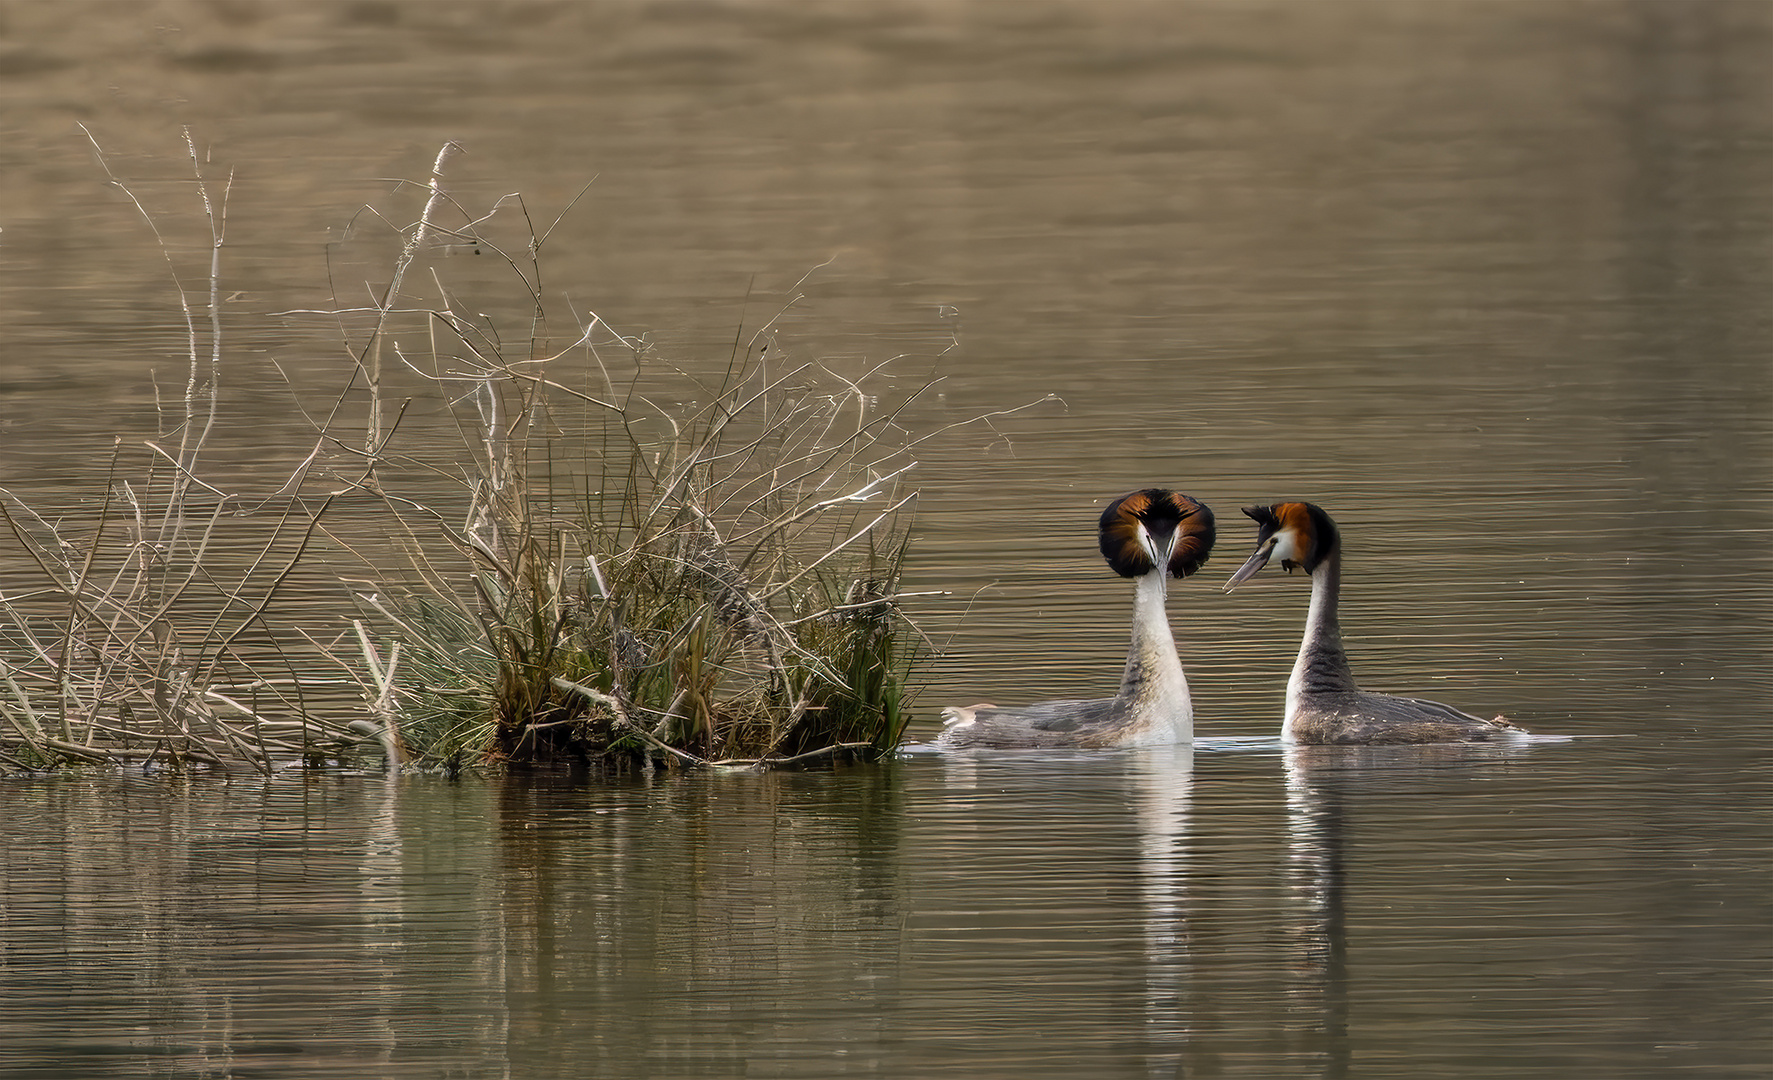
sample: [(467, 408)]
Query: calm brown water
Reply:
[(1490, 282), (1393, 914)]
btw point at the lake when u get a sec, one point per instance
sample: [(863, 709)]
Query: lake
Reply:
[(1488, 282)]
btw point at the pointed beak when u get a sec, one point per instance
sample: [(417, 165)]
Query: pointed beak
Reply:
[(1251, 565), (1159, 546), (1168, 546)]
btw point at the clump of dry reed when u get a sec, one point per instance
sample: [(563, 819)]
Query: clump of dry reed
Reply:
[(610, 581), (131, 646), (714, 585)]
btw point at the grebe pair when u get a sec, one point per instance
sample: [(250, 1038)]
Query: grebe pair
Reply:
[(1151, 533)]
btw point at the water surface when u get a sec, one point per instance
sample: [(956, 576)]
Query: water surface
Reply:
[(1236, 911), (1489, 282)]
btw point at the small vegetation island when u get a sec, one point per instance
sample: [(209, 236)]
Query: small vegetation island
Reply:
[(716, 583)]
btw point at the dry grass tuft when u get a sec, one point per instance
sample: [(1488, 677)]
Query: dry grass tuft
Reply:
[(609, 580)]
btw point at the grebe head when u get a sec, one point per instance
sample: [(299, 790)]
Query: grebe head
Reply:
[(1296, 533), (1155, 527)]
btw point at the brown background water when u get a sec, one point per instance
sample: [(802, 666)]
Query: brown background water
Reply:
[(1490, 282)]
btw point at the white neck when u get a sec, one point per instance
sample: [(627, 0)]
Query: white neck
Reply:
[(1153, 684), (1322, 666)]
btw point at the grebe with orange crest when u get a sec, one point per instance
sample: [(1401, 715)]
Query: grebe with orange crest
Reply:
[(1149, 536), (1323, 703)]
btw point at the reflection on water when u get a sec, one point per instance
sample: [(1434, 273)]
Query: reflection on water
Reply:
[(1321, 782), (1529, 888), (1162, 787), (1243, 911), (688, 925), (1317, 853), (1051, 894)]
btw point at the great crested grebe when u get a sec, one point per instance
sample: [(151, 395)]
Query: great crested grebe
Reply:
[(1145, 535), (1323, 703)]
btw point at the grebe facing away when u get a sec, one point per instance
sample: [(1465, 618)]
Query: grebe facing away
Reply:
[(1145, 536), (1323, 703)]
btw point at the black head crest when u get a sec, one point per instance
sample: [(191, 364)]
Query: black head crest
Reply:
[(1264, 518), (1159, 512)]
